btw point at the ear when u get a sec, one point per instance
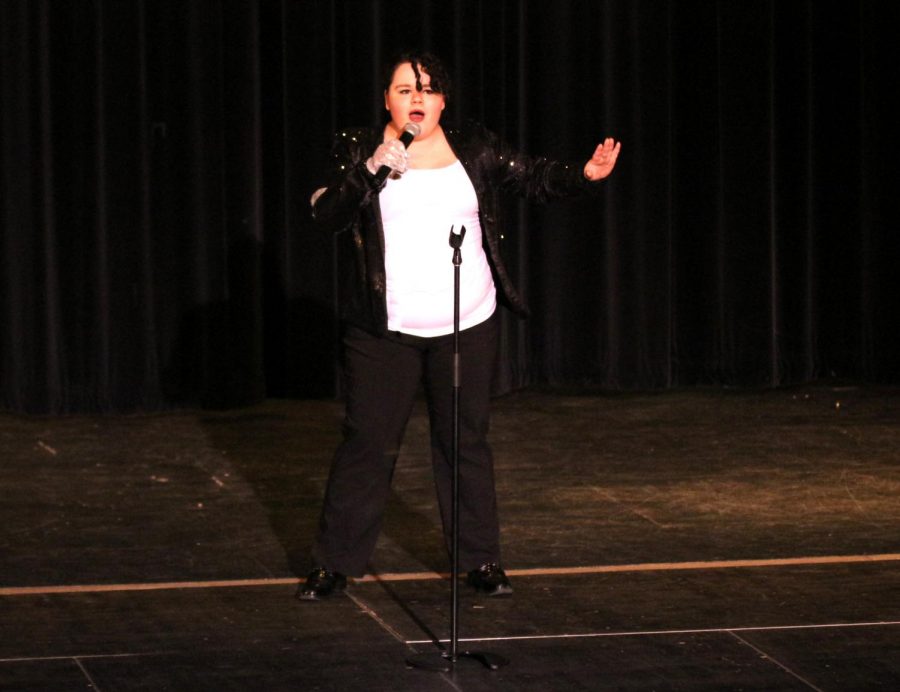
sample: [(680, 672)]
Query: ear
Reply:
[(386, 106)]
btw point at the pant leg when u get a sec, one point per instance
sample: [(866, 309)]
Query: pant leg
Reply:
[(479, 535), (382, 377)]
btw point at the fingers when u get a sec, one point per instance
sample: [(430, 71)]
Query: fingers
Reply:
[(608, 147), (391, 154)]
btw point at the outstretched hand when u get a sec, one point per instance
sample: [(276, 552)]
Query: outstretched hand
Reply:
[(603, 161)]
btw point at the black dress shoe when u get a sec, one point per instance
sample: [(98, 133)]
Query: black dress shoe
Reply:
[(490, 579), (321, 583)]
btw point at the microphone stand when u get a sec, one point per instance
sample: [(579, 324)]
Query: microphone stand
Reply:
[(445, 660)]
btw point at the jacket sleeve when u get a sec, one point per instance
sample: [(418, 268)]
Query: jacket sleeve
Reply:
[(539, 178), (349, 187)]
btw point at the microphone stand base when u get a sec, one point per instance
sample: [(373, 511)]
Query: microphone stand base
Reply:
[(442, 662)]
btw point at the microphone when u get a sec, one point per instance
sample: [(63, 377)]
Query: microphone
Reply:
[(410, 132)]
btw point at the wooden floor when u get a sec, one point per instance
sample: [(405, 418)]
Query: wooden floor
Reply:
[(689, 540)]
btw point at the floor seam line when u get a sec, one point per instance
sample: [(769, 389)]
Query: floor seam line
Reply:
[(83, 657), (423, 576), (649, 633), (775, 661), (84, 670), (372, 613)]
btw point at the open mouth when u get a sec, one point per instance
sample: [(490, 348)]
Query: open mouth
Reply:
[(417, 116)]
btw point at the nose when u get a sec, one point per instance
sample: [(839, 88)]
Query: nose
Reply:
[(417, 96)]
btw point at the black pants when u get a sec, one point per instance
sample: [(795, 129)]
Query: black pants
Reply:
[(382, 379)]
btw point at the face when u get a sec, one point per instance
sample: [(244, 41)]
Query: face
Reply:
[(408, 104)]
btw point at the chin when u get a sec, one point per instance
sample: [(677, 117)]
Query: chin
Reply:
[(428, 126)]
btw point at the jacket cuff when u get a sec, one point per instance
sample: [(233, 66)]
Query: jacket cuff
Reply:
[(371, 181)]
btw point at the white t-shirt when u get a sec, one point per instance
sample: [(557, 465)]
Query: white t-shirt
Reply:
[(417, 211)]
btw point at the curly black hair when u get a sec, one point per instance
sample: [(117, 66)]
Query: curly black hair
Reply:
[(440, 80)]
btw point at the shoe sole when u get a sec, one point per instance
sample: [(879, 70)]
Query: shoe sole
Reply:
[(501, 590), (313, 596), (310, 597)]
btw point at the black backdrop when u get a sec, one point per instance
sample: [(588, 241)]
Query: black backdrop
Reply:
[(158, 157)]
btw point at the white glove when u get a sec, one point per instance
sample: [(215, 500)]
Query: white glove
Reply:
[(391, 154)]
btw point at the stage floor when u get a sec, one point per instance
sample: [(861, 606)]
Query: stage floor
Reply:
[(688, 540)]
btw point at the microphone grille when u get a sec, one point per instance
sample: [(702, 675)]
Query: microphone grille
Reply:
[(412, 128)]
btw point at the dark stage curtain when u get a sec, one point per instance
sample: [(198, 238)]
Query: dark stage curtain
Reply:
[(158, 157)]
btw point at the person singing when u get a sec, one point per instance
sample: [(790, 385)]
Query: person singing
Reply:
[(397, 312)]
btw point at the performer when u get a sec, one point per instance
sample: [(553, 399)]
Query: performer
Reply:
[(398, 312)]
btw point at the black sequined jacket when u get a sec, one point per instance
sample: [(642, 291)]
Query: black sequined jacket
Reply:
[(349, 204)]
